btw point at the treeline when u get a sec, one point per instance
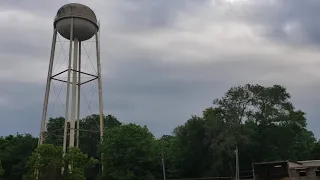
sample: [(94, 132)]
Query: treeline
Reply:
[(260, 121)]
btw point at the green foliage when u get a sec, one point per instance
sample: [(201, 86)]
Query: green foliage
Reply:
[(204, 146), (29, 176), (165, 150), (46, 161), (271, 123), (54, 133), (191, 149), (260, 121), (1, 170), (14, 153), (315, 151), (128, 153), (78, 162), (89, 141)]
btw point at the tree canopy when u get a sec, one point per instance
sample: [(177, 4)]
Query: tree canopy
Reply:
[(259, 120), (46, 162), (1, 171), (14, 153), (128, 153)]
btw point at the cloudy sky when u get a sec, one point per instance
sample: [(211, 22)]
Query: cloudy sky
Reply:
[(163, 60)]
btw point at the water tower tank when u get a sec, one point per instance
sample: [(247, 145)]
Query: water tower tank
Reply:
[(84, 21)]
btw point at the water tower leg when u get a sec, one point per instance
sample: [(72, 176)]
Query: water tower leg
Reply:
[(100, 90), (74, 93), (65, 133), (46, 97), (79, 82), (99, 87)]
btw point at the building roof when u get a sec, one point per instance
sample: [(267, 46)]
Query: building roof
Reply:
[(305, 164), (292, 164), (271, 162)]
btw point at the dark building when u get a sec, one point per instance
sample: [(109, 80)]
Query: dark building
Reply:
[(287, 170)]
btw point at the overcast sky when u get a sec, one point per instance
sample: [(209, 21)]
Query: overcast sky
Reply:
[(163, 60)]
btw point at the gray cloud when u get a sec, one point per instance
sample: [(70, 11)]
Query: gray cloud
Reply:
[(162, 60), (289, 21)]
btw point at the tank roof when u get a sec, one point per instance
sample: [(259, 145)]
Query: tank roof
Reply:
[(76, 10)]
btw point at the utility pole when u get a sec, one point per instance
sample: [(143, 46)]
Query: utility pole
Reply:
[(253, 174), (164, 170), (237, 164), (163, 165)]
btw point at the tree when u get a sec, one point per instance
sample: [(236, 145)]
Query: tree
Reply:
[(260, 121), (165, 149), (315, 151), (1, 170), (89, 139), (266, 125), (191, 150), (54, 133), (128, 153), (204, 146), (47, 161), (303, 146), (221, 138), (14, 153), (79, 162)]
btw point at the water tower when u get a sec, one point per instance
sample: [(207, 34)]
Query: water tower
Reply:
[(76, 23)]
